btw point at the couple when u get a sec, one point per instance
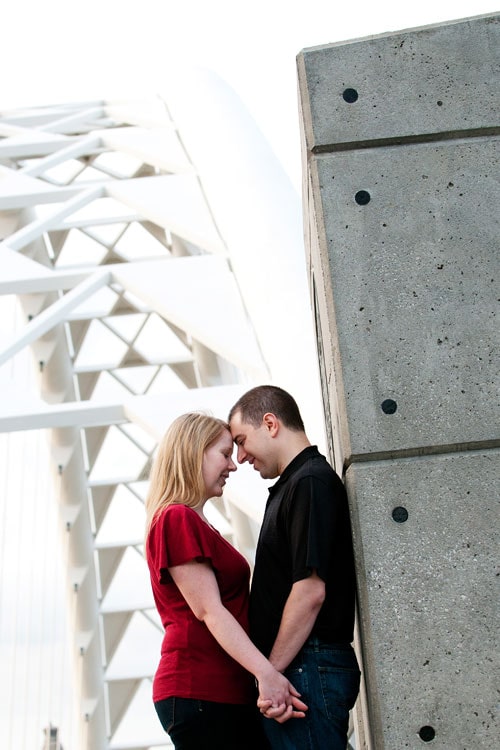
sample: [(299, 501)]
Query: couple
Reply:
[(297, 656)]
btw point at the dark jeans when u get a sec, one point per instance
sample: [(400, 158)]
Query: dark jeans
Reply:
[(204, 725), (327, 676)]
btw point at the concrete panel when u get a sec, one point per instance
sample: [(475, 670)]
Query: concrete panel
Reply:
[(416, 82), (414, 291), (428, 593), (402, 227)]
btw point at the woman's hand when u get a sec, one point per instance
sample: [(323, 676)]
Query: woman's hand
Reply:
[(278, 699), (197, 583)]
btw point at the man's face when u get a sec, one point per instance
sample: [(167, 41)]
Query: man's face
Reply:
[(255, 445)]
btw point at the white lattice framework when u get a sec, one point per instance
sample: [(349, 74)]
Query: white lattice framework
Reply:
[(155, 248)]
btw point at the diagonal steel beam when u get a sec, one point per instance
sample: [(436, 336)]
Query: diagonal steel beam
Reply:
[(32, 231), (55, 314), (73, 151)]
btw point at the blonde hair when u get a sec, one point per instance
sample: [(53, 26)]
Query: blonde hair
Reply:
[(176, 474)]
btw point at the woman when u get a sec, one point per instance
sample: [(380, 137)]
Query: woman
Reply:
[(204, 687)]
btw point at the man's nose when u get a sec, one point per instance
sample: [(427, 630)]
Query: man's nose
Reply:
[(241, 455)]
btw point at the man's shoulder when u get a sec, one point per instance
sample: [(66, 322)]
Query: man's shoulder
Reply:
[(316, 464), (316, 469)]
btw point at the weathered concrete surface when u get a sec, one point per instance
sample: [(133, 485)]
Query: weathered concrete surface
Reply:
[(434, 80), (401, 146), (428, 596), (413, 284)]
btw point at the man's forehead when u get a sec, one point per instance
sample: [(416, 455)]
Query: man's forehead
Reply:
[(238, 425), (235, 422)]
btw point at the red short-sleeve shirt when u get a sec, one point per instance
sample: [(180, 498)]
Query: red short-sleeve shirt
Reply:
[(193, 664)]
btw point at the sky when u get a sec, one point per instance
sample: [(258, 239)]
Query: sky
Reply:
[(55, 51)]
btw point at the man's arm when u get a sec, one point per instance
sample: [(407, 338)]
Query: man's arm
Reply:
[(299, 615), (197, 583)]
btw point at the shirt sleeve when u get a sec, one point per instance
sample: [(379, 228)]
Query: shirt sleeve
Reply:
[(311, 525), (178, 537)]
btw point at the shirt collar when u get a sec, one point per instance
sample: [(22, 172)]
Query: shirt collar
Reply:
[(300, 458)]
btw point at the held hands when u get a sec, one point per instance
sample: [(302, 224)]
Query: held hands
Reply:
[(278, 699), (281, 713)]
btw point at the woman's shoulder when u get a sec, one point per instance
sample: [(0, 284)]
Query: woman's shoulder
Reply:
[(177, 514), (178, 510)]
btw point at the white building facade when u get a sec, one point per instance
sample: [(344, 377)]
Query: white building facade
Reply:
[(152, 253)]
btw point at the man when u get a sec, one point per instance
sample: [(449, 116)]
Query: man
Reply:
[(302, 596)]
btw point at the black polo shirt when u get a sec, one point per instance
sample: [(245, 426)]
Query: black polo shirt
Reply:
[(306, 526)]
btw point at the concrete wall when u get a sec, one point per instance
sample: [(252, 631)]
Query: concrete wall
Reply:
[(401, 144)]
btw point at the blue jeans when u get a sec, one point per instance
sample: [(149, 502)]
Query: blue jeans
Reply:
[(327, 677), (205, 725)]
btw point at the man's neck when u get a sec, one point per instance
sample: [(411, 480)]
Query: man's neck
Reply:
[(293, 444)]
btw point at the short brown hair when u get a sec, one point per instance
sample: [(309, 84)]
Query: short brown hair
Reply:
[(268, 398)]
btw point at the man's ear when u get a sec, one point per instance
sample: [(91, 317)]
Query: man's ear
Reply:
[(271, 423)]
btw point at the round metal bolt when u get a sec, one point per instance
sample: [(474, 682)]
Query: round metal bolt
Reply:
[(400, 514), (389, 406), (427, 733), (350, 96), (362, 197)]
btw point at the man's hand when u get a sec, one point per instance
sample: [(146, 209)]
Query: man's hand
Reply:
[(293, 708)]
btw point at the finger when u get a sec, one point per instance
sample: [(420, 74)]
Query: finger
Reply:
[(292, 715), (293, 690), (274, 711), (298, 704), (264, 703), (284, 716)]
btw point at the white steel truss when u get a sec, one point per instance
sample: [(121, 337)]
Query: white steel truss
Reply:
[(155, 249)]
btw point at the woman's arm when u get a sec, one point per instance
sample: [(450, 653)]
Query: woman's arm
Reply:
[(197, 583)]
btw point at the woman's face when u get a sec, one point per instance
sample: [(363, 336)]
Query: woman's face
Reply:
[(217, 463)]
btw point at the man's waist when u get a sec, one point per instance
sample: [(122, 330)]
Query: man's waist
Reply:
[(316, 643)]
